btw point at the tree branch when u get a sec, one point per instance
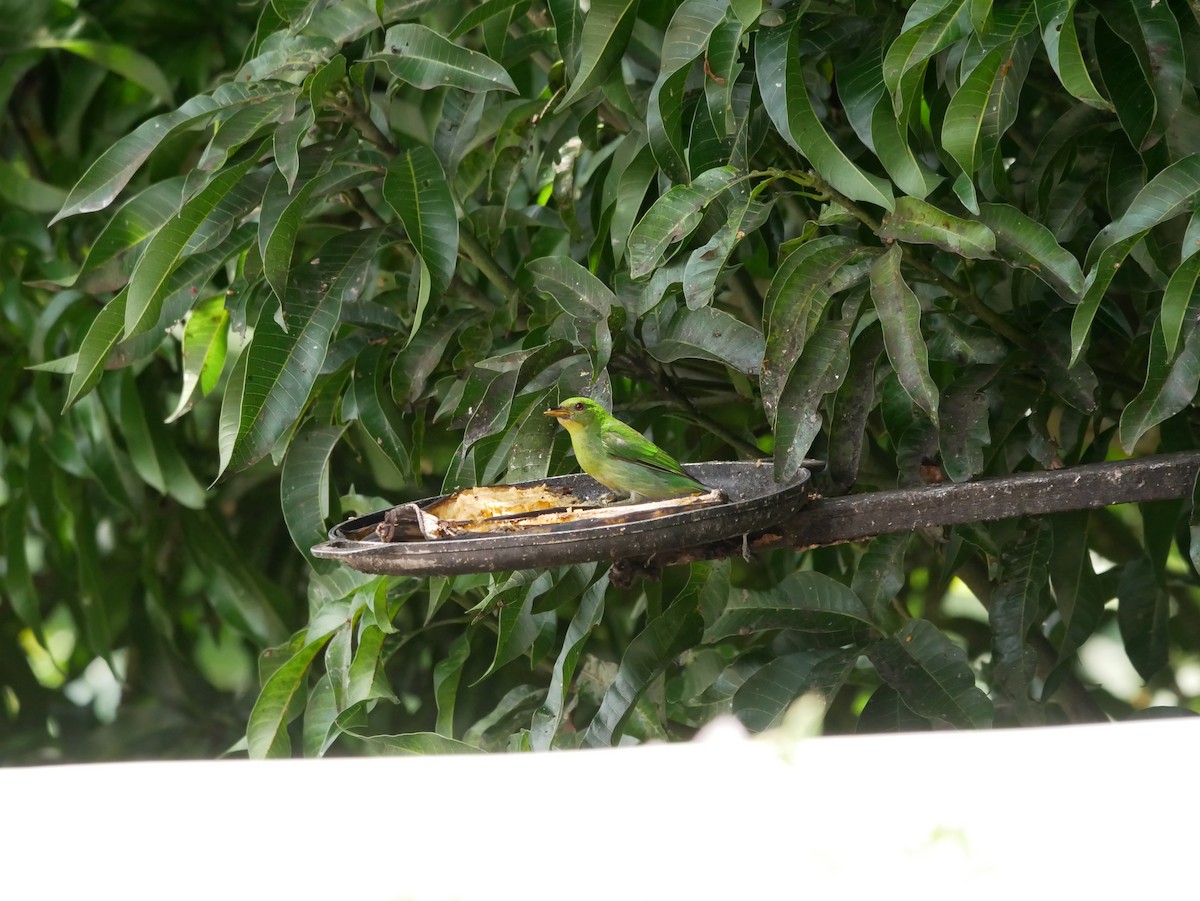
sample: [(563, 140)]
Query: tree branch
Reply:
[(837, 520)]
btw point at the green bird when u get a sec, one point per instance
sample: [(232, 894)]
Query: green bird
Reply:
[(619, 457)]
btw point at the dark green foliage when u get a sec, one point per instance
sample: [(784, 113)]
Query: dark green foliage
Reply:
[(321, 257)]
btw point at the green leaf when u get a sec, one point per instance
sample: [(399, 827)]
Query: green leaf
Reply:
[(648, 654), (900, 315), (447, 674), (304, 486), (708, 334), (1194, 525), (787, 102), (921, 38), (124, 61), (131, 226), (1168, 194), (684, 42), (18, 580), (890, 142), (377, 411), (22, 190), (1152, 34), (707, 262), (415, 187), (577, 291), (229, 195), (1170, 385), (1180, 303), (110, 173), (548, 719), (819, 371), (1142, 614), (205, 340), (765, 697), (803, 602), (1057, 19), (673, 217), (423, 58), (1022, 241), (985, 106), (279, 367), (414, 743), (518, 626), (97, 344), (931, 674), (885, 711), (602, 42), (914, 221), (795, 304), (266, 731), (243, 125), (879, 575), (1015, 611), (963, 419), (156, 459)]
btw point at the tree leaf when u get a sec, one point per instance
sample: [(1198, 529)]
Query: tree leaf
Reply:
[(765, 697), (304, 487), (900, 315), (931, 674), (447, 674), (919, 40), (416, 188), (1022, 241), (131, 226), (423, 58), (99, 341), (1142, 614), (1152, 33), (124, 61), (548, 719), (796, 301), (1180, 303), (706, 263), (684, 42), (890, 143), (818, 371), (1057, 18), (1165, 196), (181, 236), (110, 173), (1015, 611), (266, 731), (281, 366), (673, 217), (985, 106), (602, 42), (914, 221), (787, 102), (665, 637), (1170, 386), (414, 743), (377, 411), (708, 334), (803, 602), (205, 340)]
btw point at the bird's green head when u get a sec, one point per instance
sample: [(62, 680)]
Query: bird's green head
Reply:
[(579, 412)]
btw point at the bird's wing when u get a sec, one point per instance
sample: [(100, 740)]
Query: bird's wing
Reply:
[(626, 443)]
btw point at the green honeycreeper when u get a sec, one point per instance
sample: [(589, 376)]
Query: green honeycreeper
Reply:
[(618, 457)]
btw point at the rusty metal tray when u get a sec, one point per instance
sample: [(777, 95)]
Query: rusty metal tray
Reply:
[(754, 502)]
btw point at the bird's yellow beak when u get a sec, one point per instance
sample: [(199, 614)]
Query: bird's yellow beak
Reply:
[(557, 413)]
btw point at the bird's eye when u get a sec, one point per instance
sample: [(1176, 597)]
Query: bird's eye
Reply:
[(579, 407)]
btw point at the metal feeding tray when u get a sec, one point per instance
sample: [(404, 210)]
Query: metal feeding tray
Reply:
[(583, 528)]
